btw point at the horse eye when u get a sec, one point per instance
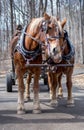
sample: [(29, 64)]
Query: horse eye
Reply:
[(59, 33), (49, 22), (49, 28)]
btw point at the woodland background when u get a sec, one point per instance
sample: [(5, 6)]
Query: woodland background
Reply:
[(13, 12)]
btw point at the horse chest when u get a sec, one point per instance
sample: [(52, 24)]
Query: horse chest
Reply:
[(55, 70), (65, 69), (60, 70)]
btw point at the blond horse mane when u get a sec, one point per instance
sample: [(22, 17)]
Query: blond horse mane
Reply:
[(35, 23)]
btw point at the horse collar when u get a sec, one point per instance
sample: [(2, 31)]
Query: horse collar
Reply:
[(27, 54), (71, 47)]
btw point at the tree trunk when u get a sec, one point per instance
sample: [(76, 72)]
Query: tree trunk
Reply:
[(51, 6), (58, 9), (11, 15), (45, 6), (0, 7)]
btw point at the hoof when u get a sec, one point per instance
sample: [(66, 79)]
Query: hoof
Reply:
[(54, 103), (21, 112), (60, 96), (36, 111), (70, 103), (27, 99)]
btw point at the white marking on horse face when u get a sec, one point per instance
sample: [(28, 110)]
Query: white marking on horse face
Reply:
[(54, 44), (56, 57)]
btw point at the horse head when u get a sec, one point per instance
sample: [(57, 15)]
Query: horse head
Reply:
[(54, 38), (47, 30), (35, 31)]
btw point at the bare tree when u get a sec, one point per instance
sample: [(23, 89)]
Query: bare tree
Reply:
[(58, 8), (51, 1), (42, 7), (45, 7), (82, 25), (11, 15), (0, 7)]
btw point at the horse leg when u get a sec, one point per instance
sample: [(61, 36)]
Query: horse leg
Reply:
[(27, 89), (20, 108), (52, 81), (70, 101), (60, 90), (36, 102)]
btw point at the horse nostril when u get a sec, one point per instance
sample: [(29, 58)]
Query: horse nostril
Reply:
[(55, 51)]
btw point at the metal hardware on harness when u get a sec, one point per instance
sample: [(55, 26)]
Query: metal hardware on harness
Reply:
[(48, 65)]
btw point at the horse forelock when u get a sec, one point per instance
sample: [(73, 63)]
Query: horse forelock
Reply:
[(55, 21), (34, 25)]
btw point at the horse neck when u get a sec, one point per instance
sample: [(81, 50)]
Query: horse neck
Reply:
[(66, 49), (30, 44)]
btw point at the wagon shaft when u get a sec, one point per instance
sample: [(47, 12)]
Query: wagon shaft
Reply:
[(49, 65)]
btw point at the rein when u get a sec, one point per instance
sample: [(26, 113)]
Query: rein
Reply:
[(54, 37), (30, 36)]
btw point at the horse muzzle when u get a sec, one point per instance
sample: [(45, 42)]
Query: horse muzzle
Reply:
[(57, 58)]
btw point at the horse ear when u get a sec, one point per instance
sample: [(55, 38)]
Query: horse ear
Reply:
[(63, 22), (46, 16)]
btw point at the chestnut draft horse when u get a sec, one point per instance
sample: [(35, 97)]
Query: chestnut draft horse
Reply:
[(60, 51), (29, 51)]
